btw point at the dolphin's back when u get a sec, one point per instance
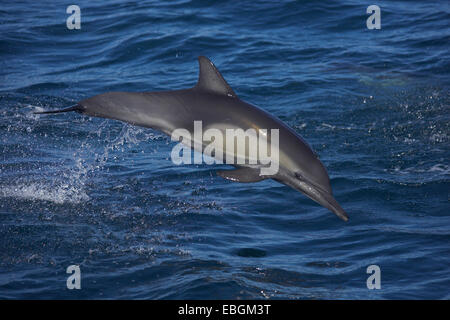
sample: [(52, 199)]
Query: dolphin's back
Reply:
[(165, 110)]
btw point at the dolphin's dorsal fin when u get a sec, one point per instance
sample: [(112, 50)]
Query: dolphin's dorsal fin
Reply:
[(210, 79)]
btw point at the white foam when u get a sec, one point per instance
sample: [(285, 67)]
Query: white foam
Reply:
[(68, 186), (445, 169), (59, 194)]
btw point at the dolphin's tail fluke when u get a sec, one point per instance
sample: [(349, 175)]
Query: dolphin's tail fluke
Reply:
[(76, 108)]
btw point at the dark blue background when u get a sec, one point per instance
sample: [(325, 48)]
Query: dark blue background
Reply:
[(374, 104)]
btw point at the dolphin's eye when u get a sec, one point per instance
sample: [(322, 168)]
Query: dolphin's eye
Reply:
[(299, 176)]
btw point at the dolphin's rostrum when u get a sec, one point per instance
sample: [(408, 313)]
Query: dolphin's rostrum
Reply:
[(213, 102)]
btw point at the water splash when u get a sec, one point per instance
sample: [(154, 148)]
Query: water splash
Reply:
[(66, 182), (59, 193)]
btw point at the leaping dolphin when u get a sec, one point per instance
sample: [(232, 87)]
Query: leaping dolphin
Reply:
[(215, 103)]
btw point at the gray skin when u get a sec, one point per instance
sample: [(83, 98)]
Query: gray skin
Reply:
[(213, 102)]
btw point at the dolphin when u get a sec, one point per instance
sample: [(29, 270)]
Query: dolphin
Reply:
[(214, 102)]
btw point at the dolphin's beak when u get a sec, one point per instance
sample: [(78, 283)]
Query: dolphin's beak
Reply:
[(328, 201), (317, 194)]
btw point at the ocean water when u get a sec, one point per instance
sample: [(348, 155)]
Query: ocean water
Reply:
[(74, 190)]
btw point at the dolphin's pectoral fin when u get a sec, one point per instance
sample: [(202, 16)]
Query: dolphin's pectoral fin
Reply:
[(241, 175)]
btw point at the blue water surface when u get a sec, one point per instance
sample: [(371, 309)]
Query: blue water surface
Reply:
[(74, 190)]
